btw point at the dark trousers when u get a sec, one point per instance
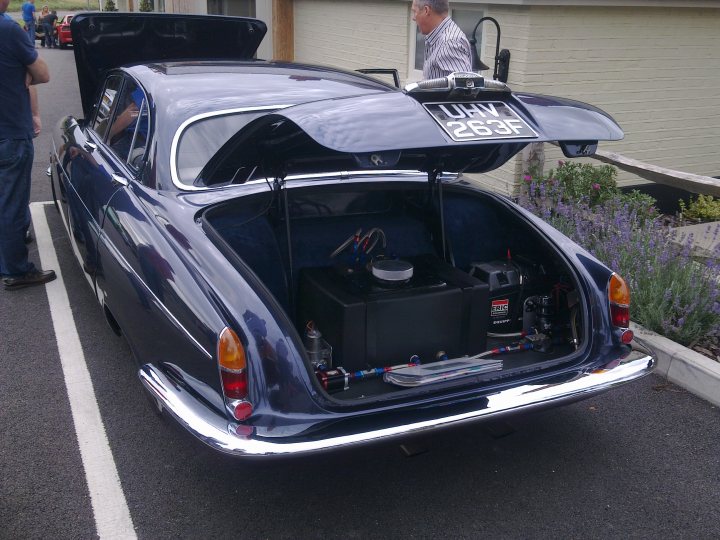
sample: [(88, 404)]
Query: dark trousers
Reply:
[(49, 35), (16, 157)]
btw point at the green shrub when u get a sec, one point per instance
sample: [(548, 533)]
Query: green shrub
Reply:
[(672, 294), (146, 5), (704, 208), (109, 6), (640, 204), (580, 181), (573, 183)]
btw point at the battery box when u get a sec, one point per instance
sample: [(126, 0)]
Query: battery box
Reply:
[(370, 325), (505, 281)]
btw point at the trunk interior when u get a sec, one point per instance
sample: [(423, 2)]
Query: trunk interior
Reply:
[(380, 275)]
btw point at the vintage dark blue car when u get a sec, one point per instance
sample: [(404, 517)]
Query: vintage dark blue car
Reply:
[(294, 257)]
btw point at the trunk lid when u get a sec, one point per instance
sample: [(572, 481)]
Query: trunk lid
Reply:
[(103, 41), (397, 130)]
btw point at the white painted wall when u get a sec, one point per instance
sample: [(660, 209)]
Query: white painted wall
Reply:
[(353, 35), (655, 70)]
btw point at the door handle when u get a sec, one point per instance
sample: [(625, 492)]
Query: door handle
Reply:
[(89, 146), (118, 180)]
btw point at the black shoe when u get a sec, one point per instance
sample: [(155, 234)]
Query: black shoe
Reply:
[(28, 237), (34, 277)]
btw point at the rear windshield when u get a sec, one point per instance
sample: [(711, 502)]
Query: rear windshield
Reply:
[(201, 139)]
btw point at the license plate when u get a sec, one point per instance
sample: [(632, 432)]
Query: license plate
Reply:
[(478, 121)]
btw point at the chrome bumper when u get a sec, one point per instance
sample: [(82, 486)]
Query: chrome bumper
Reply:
[(216, 431)]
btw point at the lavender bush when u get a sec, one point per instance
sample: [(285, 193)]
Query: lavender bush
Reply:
[(672, 294)]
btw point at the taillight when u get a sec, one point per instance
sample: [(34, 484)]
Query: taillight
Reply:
[(619, 300), (233, 373)]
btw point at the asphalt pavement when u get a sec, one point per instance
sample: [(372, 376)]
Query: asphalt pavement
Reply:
[(641, 461)]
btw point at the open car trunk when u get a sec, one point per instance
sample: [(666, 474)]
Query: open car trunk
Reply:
[(396, 270), (381, 274)]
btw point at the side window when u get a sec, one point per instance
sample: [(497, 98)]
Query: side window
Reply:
[(129, 129), (105, 107)]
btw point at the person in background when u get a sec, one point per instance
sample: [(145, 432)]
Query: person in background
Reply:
[(40, 23), (447, 49), (28, 15), (20, 67), (48, 22)]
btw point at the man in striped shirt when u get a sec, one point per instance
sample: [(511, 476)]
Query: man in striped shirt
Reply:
[(446, 47)]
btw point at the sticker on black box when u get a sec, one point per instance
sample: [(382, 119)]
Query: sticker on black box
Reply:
[(500, 308)]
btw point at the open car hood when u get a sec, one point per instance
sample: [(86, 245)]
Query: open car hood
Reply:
[(105, 40), (396, 131)]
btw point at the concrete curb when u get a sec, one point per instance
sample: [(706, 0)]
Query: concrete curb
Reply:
[(682, 366)]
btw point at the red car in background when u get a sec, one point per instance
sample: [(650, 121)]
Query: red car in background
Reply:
[(64, 37)]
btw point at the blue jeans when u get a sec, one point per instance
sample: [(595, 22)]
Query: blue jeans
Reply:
[(16, 157), (49, 35), (31, 31)]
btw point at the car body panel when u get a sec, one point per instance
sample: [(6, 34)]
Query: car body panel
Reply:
[(64, 35)]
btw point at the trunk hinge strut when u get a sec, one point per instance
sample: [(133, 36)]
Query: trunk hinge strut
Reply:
[(279, 189), (435, 180)]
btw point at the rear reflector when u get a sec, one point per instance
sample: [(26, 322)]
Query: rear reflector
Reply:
[(627, 336), (243, 410)]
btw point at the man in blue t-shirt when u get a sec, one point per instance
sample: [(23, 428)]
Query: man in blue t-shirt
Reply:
[(20, 67), (28, 14)]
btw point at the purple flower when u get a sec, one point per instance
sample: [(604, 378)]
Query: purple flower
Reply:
[(527, 178), (596, 186)]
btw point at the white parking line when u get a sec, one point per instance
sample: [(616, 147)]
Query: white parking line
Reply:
[(112, 516)]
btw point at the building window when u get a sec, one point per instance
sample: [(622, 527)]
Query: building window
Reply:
[(236, 8), (466, 19)]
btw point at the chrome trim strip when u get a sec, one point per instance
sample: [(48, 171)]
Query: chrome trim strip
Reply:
[(220, 434), (197, 118), (346, 176)]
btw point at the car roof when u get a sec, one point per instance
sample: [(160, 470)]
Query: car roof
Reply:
[(244, 84)]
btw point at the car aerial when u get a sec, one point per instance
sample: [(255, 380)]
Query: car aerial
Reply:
[(62, 29), (293, 253)]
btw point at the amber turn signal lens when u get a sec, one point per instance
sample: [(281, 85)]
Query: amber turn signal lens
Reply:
[(618, 291), (231, 354)]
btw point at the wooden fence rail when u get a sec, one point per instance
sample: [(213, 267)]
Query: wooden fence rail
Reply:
[(694, 183)]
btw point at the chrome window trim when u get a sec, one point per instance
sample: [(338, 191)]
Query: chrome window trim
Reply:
[(343, 176), (180, 130)]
